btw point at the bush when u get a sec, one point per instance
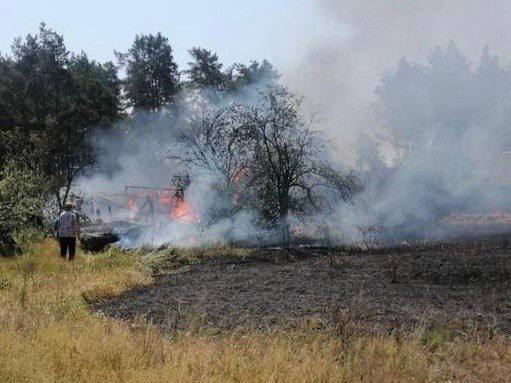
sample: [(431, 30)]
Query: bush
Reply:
[(22, 193)]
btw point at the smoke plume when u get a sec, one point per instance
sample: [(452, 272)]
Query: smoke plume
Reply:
[(355, 41), (134, 153), (411, 96), (447, 101)]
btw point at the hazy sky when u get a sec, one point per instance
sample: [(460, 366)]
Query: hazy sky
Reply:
[(237, 30)]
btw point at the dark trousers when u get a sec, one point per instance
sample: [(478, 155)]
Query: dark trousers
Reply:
[(67, 244)]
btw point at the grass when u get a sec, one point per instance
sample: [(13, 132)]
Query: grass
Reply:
[(49, 334)]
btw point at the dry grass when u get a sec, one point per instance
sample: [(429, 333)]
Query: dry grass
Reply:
[(48, 334)]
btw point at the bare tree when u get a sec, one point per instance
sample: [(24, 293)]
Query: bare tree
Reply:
[(291, 169), (215, 142), (267, 154), (214, 145)]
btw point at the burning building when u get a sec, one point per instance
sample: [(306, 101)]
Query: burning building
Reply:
[(142, 204), (139, 211), (147, 204)]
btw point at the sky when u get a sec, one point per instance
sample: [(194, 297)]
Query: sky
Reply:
[(238, 31)]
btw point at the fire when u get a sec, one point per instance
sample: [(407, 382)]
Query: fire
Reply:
[(177, 208), (133, 208), (153, 202), (183, 212)]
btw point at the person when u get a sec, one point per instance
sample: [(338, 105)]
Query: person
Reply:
[(67, 228)]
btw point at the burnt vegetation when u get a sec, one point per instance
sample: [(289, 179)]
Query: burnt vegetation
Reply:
[(462, 288)]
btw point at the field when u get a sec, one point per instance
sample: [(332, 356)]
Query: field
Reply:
[(462, 286), (58, 320)]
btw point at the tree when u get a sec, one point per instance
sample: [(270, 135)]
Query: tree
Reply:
[(41, 60), (215, 145), (290, 170), (14, 104), (21, 203), (255, 74), (205, 73), (51, 104), (403, 104), (423, 105), (97, 89), (152, 77), (265, 157), (215, 142), (449, 123)]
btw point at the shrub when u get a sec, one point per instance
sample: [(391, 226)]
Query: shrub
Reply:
[(22, 193)]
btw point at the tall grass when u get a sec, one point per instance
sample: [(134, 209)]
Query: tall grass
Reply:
[(49, 334)]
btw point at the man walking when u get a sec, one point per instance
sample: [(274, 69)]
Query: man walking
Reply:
[(67, 228)]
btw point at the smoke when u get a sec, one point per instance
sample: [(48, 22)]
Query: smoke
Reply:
[(135, 154), (353, 42), (426, 133), (131, 153)]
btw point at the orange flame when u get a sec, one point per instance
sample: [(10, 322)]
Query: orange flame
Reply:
[(133, 208), (183, 212), (169, 204)]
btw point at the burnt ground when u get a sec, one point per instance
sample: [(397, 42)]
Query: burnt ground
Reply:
[(469, 285)]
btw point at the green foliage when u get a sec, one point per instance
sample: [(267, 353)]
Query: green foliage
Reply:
[(21, 202), (255, 74), (206, 71), (152, 77), (21, 206), (28, 236), (50, 103), (206, 74), (97, 89)]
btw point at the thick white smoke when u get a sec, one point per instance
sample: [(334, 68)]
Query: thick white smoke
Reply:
[(353, 42), (360, 42), (425, 134), (134, 153)]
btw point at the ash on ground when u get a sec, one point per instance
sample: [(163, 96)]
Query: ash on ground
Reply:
[(468, 284)]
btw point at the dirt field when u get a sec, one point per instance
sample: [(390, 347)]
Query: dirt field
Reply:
[(467, 286)]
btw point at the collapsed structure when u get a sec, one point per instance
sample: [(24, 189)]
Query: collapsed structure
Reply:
[(111, 217), (139, 204)]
